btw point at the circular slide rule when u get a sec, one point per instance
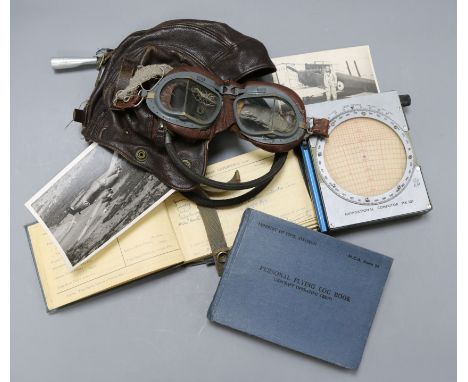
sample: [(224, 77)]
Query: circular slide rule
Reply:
[(367, 158)]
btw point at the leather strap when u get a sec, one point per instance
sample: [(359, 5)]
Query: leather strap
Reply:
[(126, 72)]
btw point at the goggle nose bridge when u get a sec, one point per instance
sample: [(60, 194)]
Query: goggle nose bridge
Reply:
[(228, 88)]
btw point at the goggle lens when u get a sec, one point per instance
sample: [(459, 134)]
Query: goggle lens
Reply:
[(190, 100), (266, 116)]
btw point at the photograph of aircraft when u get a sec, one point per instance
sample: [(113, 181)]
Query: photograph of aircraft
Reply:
[(344, 73), (96, 197)]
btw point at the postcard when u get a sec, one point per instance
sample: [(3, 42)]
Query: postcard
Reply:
[(94, 199), (328, 75)]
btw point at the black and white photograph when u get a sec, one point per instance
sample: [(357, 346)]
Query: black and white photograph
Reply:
[(328, 75), (93, 200)]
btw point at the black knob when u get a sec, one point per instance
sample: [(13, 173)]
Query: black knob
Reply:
[(405, 100)]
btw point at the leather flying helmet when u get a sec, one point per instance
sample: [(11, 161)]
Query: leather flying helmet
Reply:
[(131, 128)]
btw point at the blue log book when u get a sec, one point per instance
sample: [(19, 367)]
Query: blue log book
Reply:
[(300, 289)]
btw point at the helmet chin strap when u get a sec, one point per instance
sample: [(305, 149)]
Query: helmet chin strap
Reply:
[(256, 185)]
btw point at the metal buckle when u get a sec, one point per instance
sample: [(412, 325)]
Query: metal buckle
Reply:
[(220, 258)]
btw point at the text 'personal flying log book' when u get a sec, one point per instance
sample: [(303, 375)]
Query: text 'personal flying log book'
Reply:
[(300, 289)]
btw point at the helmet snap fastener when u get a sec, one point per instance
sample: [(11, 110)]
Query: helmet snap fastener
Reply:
[(141, 155), (187, 163)]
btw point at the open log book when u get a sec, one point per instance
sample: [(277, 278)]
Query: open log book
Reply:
[(170, 235)]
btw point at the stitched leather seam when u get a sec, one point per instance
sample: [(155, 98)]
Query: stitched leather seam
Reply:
[(231, 46), (198, 29), (183, 51)]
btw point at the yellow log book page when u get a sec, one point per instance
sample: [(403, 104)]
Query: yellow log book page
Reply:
[(147, 247), (171, 234), (285, 197)]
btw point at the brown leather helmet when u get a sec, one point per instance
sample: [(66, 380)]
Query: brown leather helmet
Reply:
[(135, 133)]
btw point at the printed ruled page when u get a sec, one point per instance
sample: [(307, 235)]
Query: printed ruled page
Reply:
[(149, 246), (285, 197)]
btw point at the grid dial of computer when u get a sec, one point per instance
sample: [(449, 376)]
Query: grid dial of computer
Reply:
[(365, 157)]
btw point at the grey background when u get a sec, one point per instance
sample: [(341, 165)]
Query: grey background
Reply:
[(156, 329)]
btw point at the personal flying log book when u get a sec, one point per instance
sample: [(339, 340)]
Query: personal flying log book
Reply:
[(300, 289)]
